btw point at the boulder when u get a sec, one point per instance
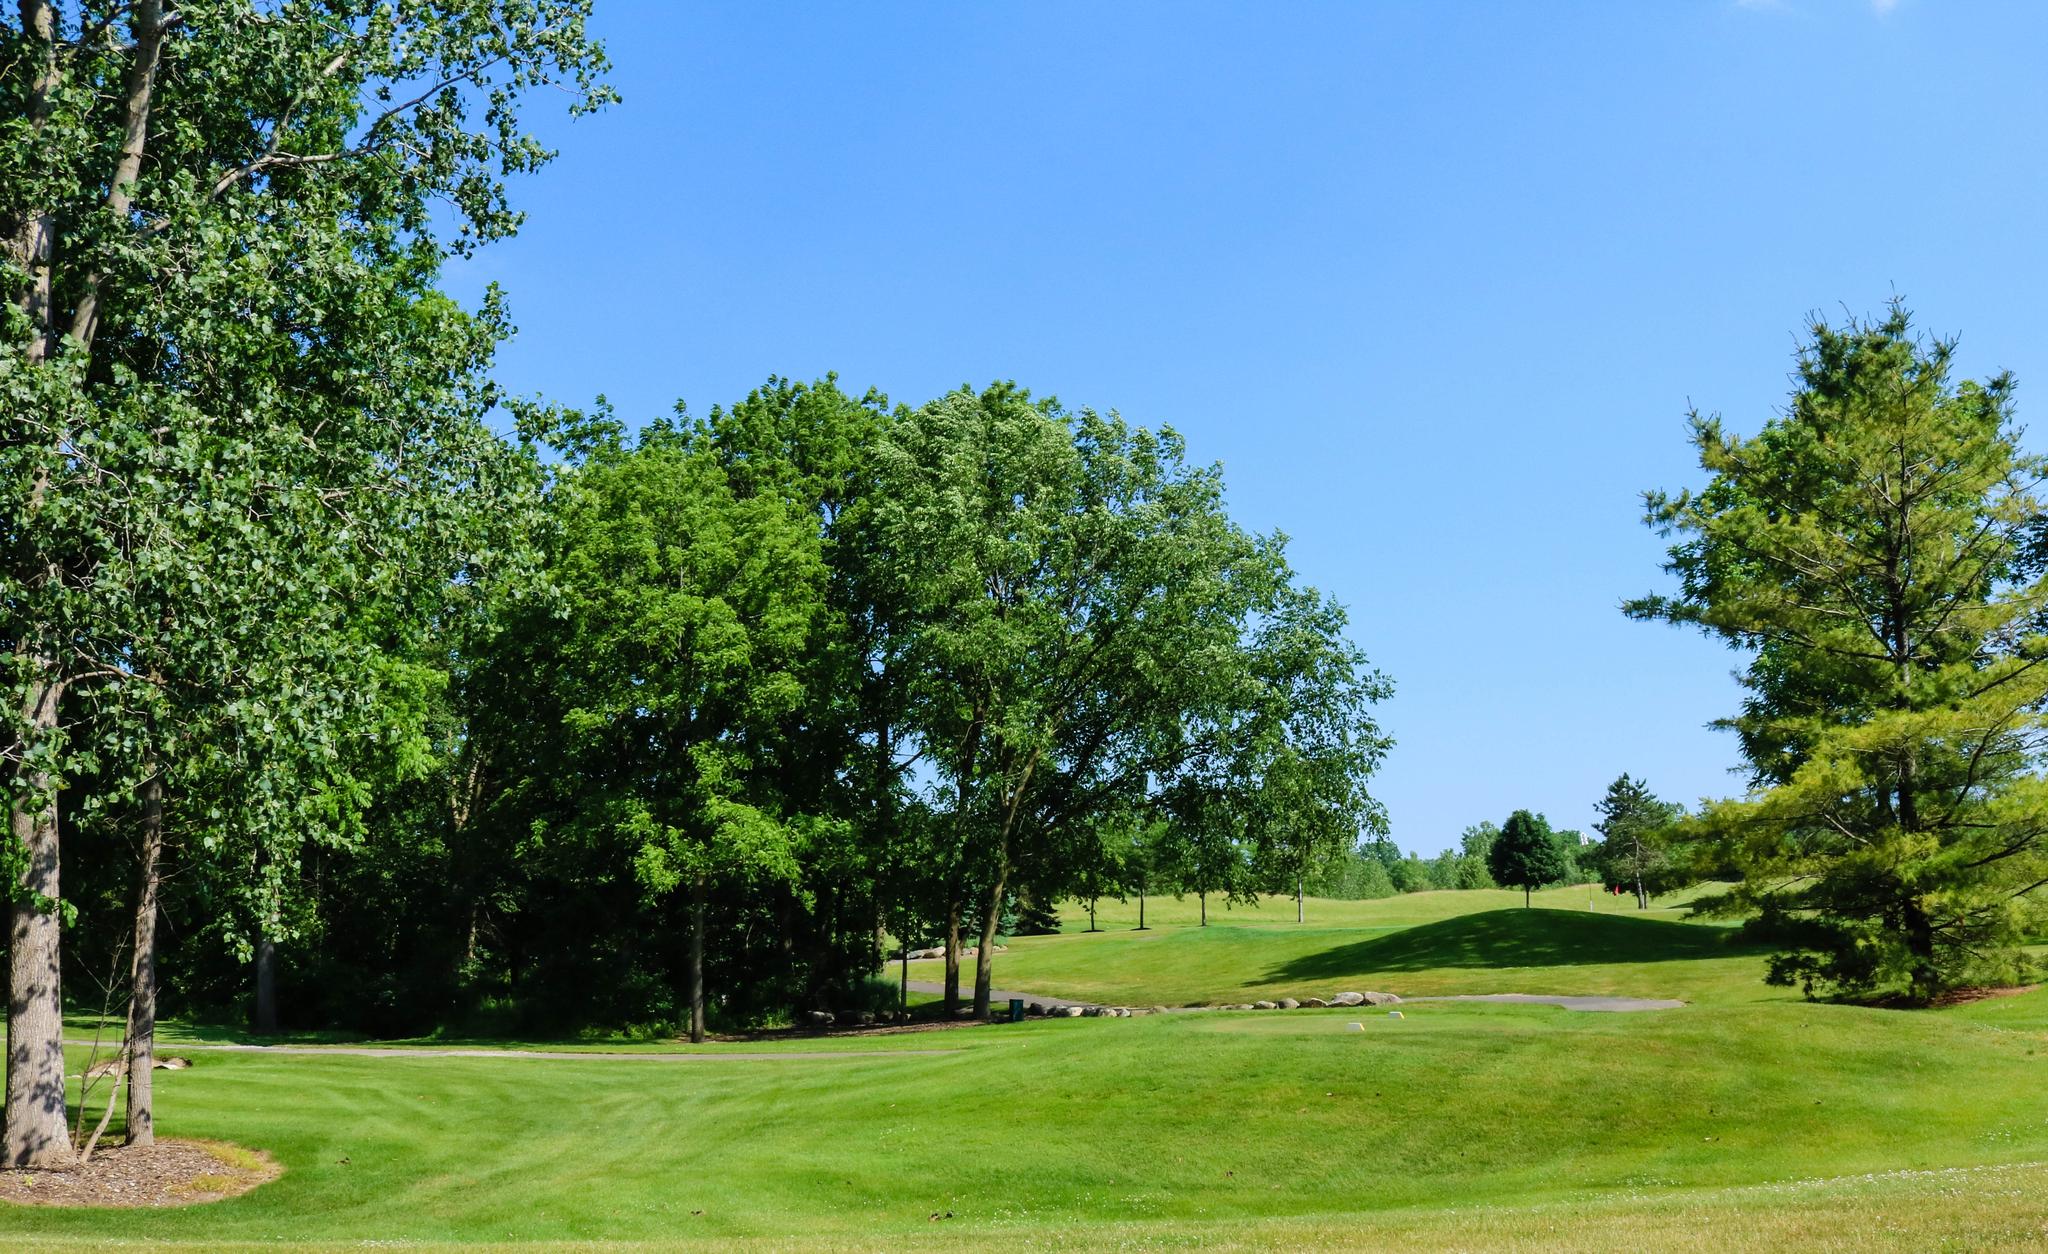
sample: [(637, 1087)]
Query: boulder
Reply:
[(1265, 1005), (1381, 999), (1317, 1002), (819, 1018), (1288, 1003), (864, 1018), (1069, 1012), (1348, 999), (172, 1063)]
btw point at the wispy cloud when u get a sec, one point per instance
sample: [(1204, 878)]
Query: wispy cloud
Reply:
[(1882, 8)]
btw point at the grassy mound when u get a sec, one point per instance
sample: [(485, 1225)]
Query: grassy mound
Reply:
[(1481, 949)]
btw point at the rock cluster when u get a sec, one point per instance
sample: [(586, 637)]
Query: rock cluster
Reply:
[(108, 1066), (1318, 1003), (857, 1018), (939, 951)]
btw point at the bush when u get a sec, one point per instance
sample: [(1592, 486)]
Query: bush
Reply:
[(1411, 875), (1355, 876), (877, 994)]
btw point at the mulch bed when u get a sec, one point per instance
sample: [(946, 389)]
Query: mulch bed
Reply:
[(169, 1173), (1964, 996), (1942, 1001)]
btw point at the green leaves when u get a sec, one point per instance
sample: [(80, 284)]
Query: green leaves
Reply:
[(1088, 636), (1525, 854), (246, 469), (1873, 551), (687, 612)]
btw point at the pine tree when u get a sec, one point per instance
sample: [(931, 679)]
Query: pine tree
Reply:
[(1875, 551)]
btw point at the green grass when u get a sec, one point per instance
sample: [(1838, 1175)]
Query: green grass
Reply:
[(1746, 1120), (1175, 1120), (1403, 910), (174, 1037), (1418, 945)]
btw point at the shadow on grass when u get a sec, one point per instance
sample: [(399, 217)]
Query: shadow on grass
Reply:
[(1518, 938), (80, 1025)]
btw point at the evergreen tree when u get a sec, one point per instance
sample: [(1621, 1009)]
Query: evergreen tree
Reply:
[(1632, 852), (1873, 551)]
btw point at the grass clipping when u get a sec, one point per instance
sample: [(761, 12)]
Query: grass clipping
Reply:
[(168, 1173)]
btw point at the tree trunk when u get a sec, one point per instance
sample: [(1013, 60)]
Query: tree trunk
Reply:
[(1924, 975), (963, 791), (903, 993), (985, 961), (699, 894), (34, 244), (142, 977), (1141, 905), (1297, 899), (1525, 896), (1091, 916), (148, 28), (266, 983), (952, 953), (1204, 897), (36, 1135), (35, 1132)]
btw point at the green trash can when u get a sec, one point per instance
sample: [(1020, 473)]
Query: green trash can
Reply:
[(1016, 1010)]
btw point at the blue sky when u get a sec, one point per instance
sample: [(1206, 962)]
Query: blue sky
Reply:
[(1436, 283)]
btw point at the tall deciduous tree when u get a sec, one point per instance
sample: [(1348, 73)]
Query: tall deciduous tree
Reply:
[(1872, 550), (220, 258), (688, 611), (1525, 854), (1204, 845), (1084, 627), (1310, 742)]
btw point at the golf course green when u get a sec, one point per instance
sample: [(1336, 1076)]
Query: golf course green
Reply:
[(1747, 1116)]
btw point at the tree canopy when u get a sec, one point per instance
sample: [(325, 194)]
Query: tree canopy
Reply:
[(1634, 850), (1525, 854), (245, 449), (1875, 552)]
